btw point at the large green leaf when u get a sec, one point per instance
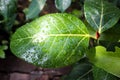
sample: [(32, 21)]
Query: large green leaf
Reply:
[(100, 74), (100, 14), (34, 9), (7, 11), (107, 60), (54, 40), (62, 5)]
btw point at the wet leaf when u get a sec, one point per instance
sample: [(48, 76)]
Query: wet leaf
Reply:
[(34, 9), (62, 5), (100, 14), (54, 40)]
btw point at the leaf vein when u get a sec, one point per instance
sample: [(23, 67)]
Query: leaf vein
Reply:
[(101, 18), (75, 49), (62, 47), (63, 23), (76, 25)]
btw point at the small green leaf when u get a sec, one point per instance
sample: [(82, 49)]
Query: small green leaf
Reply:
[(34, 9), (2, 54), (107, 60), (62, 5), (54, 40), (7, 11), (100, 14), (100, 74), (4, 47)]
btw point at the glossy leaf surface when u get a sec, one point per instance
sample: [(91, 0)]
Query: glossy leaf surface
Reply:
[(34, 9), (107, 60), (54, 40), (62, 5), (100, 14)]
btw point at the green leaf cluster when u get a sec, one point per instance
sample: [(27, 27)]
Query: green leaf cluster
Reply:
[(61, 39)]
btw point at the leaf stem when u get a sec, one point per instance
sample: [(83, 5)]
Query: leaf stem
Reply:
[(92, 36)]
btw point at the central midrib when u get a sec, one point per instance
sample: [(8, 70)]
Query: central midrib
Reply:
[(66, 35), (55, 35)]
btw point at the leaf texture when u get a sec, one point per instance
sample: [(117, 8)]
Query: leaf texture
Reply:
[(101, 15), (54, 40)]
